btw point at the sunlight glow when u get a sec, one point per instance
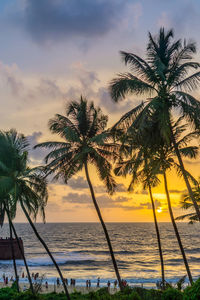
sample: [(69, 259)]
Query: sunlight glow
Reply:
[(159, 210)]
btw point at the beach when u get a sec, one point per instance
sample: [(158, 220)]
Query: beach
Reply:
[(59, 289)]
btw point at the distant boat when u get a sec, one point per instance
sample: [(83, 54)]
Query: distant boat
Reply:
[(6, 250)]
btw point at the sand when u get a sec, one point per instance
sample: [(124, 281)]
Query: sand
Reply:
[(59, 289)]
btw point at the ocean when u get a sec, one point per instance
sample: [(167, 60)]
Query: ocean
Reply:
[(81, 251)]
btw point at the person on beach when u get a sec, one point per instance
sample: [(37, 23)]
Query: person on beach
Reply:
[(58, 282), (108, 284), (66, 281), (98, 282), (6, 280), (115, 284), (4, 276), (32, 275), (71, 281), (23, 275), (87, 284), (46, 285)]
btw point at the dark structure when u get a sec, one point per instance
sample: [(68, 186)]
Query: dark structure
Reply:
[(6, 250)]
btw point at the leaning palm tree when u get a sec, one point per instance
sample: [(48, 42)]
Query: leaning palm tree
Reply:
[(165, 79), (9, 159), (24, 185), (135, 160), (86, 142)]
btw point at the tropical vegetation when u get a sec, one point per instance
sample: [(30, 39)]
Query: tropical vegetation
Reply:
[(145, 144)]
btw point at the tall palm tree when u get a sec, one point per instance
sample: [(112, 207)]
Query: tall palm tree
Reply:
[(164, 160), (176, 229), (165, 80), (155, 157), (24, 185), (86, 142), (9, 159), (136, 161)]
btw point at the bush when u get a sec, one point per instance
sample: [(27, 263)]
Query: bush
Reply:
[(172, 294), (192, 292)]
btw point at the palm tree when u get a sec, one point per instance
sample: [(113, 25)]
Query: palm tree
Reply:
[(24, 185), (163, 78), (187, 204), (155, 157), (165, 161), (2, 216), (136, 161), (176, 229), (85, 143), (8, 159)]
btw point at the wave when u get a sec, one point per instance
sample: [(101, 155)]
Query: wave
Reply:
[(105, 252)]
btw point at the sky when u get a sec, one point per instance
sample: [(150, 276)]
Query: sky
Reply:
[(51, 52)]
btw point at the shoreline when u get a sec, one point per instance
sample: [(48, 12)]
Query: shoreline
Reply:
[(58, 289)]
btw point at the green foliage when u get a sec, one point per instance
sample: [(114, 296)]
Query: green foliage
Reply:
[(172, 294), (137, 293), (192, 292)]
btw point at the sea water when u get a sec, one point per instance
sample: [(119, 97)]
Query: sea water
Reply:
[(81, 251)]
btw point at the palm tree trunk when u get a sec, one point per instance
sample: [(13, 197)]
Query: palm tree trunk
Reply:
[(13, 257), (176, 230), (185, 175), (22, 253), (158, 238), (104, 227), (46, 248)]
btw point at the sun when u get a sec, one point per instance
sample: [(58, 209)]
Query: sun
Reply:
[(159, 210)]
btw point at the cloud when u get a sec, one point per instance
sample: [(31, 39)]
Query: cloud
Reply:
[(112, 107), (54, 20), (143, 192), (177, 191), (9, 75), (104, 201), (78, 183), (36, 156), (148, 205)]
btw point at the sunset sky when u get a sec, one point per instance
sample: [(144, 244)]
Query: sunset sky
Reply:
[(51, 51)]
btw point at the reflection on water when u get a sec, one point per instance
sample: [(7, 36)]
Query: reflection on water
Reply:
[(81, 250)]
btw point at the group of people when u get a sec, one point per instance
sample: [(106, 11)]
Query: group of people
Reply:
[(34, 276), (72, 281), (88, 283)]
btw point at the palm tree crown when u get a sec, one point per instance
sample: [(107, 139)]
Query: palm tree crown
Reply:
[(163, 77), (19, 182), (83, 129)]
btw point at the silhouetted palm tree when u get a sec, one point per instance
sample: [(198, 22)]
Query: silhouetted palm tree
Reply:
[(85, 143), (24, 185), (164, 160), (136, 161), (165, 78)]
